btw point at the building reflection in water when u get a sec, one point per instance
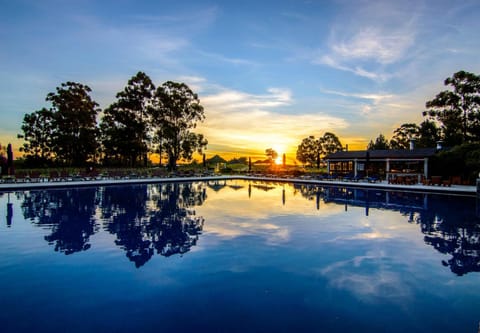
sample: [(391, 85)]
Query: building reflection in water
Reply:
[(450, 224), (161, 218)]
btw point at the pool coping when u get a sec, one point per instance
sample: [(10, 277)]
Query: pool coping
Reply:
[(454, 189)]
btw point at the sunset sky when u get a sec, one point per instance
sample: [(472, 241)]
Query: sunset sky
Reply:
[(268, 73)]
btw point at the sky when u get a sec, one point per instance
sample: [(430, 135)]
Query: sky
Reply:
[(268, 73)]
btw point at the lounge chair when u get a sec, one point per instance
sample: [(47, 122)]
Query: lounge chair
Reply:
[(437, 180), (456, 180)]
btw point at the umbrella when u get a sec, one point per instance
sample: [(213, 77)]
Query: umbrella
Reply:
[(367, 161), (9, 159)]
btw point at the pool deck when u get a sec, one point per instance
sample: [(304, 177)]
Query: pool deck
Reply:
[(44, 184)]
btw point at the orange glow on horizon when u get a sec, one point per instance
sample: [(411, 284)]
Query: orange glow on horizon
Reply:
[(255, 153)]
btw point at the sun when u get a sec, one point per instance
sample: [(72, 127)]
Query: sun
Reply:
[(280, 149)]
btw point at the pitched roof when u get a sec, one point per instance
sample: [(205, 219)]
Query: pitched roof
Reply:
[(382, 154), (216, 159)]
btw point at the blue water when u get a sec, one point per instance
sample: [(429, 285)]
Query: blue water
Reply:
[(238, 256)]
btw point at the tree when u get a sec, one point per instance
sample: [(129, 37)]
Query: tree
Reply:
[(331, 143), (380, 143), (458, 110), (37, 130), (310, 150), (271, 155), (74, 129), (461, 160), (126, 123), (175, 112), (428, 134), (402, 135)]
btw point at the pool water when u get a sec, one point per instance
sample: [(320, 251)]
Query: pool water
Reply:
[(238, 256)]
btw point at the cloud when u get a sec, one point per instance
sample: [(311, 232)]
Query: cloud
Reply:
[(369, 37), (221, 58), (357, 70), (232, 99), (182, 20), (368, 278), (374, 43), (372, 96), (196, 83)]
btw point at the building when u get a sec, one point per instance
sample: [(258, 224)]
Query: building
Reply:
[(384, 164)]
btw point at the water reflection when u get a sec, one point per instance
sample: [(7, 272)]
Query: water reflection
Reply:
[(146, 219), (9, 212), (453, 228), (449, 223), (162, 219), (149, 219), (68, 213)]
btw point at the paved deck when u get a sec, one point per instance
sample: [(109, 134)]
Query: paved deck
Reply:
[(20, 186)]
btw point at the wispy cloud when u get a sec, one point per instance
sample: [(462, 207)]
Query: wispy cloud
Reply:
[(231, 99), (202, 16), (371, 36), (381, 45), (374, 97), (225, 59), (355, 69)]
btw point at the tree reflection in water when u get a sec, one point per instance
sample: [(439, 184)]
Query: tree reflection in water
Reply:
[(145, 218), (452, 227), (449, 223), (155, 218), (69, 213)]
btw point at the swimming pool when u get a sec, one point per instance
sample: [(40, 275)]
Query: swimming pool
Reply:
[(238, 256)]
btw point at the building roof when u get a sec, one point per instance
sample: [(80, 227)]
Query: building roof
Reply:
[(383, 154)]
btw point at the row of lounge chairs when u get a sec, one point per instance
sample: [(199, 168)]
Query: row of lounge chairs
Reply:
[(445, 181), (433, 180), (327, 177), (93, 174), (437, 180)]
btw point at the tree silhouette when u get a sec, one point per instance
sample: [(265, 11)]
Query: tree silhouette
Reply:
[(331, 143), (403, 134), (175, 112), (458, 110), (74, 124), (310, 150), (428, 134), (271, 155), (37, 130), (380, 143), (126, 123)]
